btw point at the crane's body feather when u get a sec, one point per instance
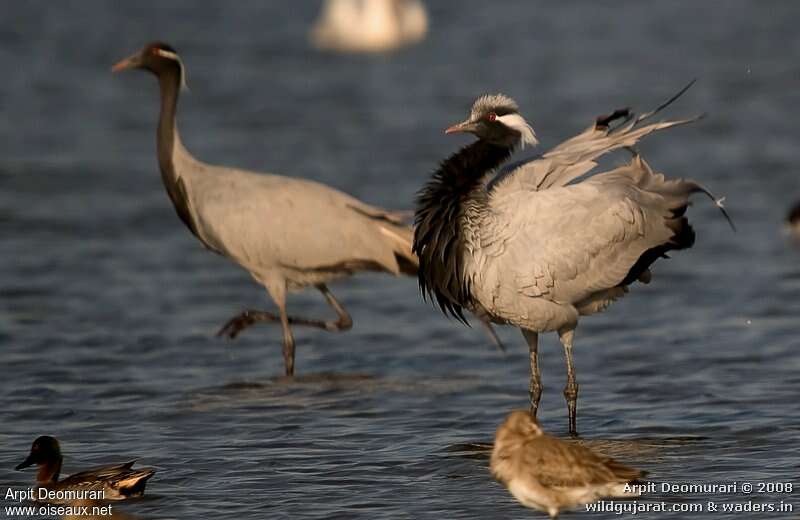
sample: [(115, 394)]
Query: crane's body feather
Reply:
[(300, 230), (540, 258), (283, 228)]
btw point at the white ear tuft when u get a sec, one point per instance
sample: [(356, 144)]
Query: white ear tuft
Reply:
[(173, 56), (518, 123), (167, 54)]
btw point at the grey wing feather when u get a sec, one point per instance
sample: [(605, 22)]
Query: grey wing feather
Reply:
[(263, 221), (399, 217), (576, 157)]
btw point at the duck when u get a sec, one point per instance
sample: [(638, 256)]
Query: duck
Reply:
[(548, 474), (113, 482)]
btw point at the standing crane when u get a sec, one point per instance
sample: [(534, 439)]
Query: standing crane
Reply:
[(288, 233), (527, 246)]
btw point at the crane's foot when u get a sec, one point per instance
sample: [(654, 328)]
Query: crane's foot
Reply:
[(573, 429), (238, 323), (246, 319)]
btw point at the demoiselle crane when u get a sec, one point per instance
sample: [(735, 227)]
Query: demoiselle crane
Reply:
[(288, 233), (548, 474), (529, 247)]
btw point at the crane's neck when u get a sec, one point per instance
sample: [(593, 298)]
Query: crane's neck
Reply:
[(48, 472), (175, 162), (455, 196), (168, 139)]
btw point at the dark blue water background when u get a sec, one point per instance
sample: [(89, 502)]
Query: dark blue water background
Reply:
[(108, 306)]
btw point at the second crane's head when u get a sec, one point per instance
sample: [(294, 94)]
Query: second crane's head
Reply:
[(157, 57), (495, 118)]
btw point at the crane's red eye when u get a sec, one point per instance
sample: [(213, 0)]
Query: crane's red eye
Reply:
[(491, 116)]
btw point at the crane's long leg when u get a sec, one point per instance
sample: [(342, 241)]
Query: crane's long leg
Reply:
[(483, 318), (250, 317), (532, 338), (343, 319), (571, 390), (288, 338), (493, 337), (277, 291)]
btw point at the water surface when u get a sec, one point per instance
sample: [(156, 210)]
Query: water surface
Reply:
[(108, 306)]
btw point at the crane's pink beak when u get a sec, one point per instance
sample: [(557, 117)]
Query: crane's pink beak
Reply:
[(456, 128), (466, 126), (131, 62)]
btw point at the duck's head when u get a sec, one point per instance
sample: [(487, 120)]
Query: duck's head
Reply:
[(495, 118), (44, 451), (157, 57)]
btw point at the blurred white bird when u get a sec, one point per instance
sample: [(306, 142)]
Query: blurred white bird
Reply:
[(369, 25)]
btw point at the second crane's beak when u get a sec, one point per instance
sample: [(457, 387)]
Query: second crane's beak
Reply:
[(131, 62), (466, 126)]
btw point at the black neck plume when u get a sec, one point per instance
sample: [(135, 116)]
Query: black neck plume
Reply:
[(438, 233)]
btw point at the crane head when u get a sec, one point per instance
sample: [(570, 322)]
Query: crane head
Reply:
[(157, 57), (495, 118)]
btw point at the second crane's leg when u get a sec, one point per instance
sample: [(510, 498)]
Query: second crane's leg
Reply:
[(532, 338), (279, 295), (343, 319), (571, 390), (247, 318), (487, 325)]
